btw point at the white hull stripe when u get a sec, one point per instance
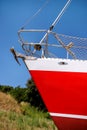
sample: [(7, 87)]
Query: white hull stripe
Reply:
[(68, 115), (56, 65)]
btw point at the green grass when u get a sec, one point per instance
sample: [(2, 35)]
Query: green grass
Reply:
[(29, 119)]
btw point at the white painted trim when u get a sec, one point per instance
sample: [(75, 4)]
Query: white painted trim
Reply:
[(50, 64), (68, 115)]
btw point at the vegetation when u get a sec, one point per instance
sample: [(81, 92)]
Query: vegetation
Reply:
[(23, 109), (23, 116), (29, 94), (8, 103), (34, 121)]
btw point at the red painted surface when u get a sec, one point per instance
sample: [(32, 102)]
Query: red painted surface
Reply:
[(70, 124), (63, 92)]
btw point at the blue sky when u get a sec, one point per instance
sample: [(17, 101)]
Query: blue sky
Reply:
[(13, 15)]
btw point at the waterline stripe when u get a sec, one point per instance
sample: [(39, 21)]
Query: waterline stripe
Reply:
[(68, 115)]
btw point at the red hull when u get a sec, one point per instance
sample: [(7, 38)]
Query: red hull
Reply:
[(64, 93), (70, 123)]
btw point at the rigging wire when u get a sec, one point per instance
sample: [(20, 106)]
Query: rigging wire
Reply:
[(36, 13)]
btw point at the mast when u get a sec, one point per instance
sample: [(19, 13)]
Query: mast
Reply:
[(56, 20)]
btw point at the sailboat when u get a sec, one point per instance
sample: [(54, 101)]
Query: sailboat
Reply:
[(61, 81)]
